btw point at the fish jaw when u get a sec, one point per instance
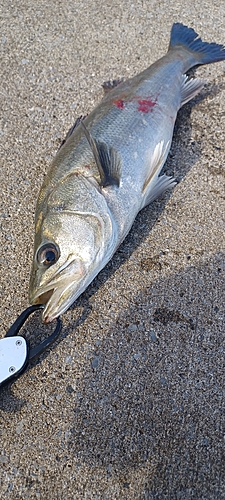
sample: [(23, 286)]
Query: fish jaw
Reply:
[(60, 292), (70, 280), (60, 300)]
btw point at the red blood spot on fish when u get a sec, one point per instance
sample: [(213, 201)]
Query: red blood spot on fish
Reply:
[(146, 105), (119, 103), (87, 166)]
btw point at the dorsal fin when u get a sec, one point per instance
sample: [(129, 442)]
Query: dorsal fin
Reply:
[(107, 160), (71, 130), (111, 84)]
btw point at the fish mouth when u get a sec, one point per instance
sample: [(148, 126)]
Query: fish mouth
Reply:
[(56, 300), (44, 297), (60, 292)]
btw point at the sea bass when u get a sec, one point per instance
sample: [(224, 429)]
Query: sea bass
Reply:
[(107, 170)]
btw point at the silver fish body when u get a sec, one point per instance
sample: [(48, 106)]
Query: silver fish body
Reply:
[(108, 170)]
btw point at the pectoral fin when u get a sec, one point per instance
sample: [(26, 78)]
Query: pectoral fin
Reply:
[(107, 160)]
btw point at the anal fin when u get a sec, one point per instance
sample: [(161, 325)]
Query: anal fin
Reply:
[(190, 88)]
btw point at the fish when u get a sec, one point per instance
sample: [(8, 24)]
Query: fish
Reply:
[(108, 169)]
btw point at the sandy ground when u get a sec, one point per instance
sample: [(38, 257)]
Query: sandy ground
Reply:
[(128, 403)]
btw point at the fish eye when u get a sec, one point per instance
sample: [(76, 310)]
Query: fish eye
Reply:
[(48, 254)]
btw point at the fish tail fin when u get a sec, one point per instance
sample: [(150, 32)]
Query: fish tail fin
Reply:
[(201, 52)]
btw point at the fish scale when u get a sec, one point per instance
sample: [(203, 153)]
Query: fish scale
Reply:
[(108, 169)]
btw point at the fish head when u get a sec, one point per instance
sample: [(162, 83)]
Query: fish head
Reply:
[(67, 255)]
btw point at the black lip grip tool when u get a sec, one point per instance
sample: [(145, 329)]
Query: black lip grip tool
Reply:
[(15, 353)]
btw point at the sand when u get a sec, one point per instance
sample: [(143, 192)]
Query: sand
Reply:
[(128, 403)]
